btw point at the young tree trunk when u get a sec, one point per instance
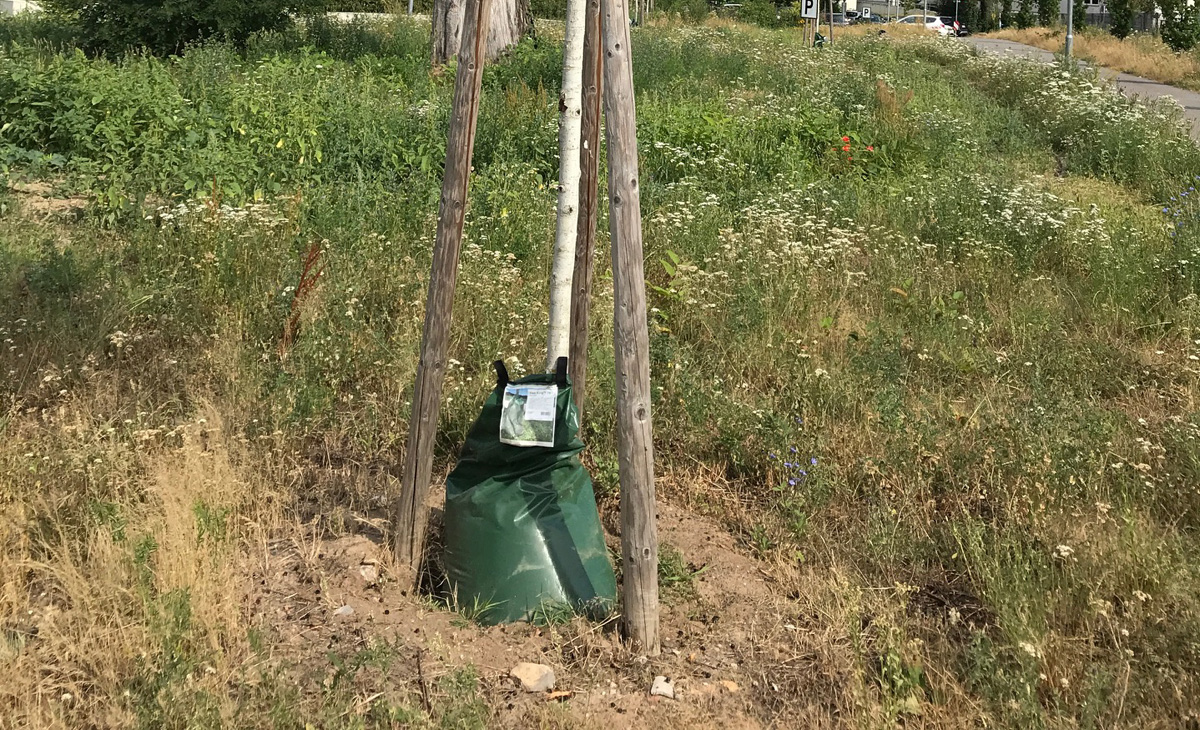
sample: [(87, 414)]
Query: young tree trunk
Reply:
[(589, 200), (511, 20), (570, 109)]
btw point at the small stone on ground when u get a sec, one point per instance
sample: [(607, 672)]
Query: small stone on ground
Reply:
[(533, 677), (662, 687)]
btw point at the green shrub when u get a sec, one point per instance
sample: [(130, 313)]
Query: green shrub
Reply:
[(759, 12), (986, 15), (548, 8), (1120, 18), (1080, 14), (1047, 12), (690, 10), (1025, 14), (354, 6), (165, 27), (45, 29), (1181, 25)]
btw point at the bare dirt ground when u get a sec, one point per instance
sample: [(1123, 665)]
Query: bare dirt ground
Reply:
[(737, 652), (39, 201)]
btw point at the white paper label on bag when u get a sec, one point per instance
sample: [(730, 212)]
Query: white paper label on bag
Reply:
[(527, 415)]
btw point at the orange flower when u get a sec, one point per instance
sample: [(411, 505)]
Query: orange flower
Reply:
[(846, 148), (870, 148), (845, 139)]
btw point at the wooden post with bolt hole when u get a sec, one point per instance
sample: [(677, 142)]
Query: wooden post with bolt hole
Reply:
[(631, 340), (410, 516), (589, 199)]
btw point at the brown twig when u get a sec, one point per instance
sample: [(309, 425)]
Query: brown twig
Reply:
[(309, 275), (214, 201), (424, 687)]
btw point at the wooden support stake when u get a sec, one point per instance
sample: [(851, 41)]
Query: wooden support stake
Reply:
[(589, 208), (410, 515), (631, 341)]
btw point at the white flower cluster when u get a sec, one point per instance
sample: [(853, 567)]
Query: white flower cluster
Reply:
[(263, 215)]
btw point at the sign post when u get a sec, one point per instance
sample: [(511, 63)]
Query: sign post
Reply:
[(808, 11)]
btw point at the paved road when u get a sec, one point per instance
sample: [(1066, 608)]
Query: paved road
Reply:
[(1133, 86)]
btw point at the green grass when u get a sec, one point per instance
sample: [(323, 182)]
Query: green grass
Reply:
[(957, 359)]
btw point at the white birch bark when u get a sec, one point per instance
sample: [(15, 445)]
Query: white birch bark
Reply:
[(570, 108)]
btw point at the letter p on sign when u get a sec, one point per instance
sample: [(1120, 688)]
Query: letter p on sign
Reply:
[(808, 9)]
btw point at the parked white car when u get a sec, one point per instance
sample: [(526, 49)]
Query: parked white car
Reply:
[(932, 22)]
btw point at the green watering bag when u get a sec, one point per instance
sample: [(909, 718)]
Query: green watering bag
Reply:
[(522, 534)]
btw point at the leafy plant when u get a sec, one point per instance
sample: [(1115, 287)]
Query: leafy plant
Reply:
[(676, 576), (1025, 14), (1120, 15), (1079, 17), (1047, 12), (167, 27), (1180, 25)]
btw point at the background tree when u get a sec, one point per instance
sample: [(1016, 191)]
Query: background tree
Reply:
[(1024, 17), (511, 21), (1180, 25), (1047, 12), (987, 16), (1081, 14), (165, 27), (1120, 18), (967, 12)]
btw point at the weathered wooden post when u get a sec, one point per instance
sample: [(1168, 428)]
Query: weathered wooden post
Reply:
[(410, 516), (631, 342), (589, 208)]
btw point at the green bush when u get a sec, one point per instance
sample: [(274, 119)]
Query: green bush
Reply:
[(1181, 25), (1025, 14), (1080, 14), (45, 29), (759, 12), (165, 27), (354, 6), (690, 10), (1120, 18), (986, 15), (1047, 12), (548, 8)]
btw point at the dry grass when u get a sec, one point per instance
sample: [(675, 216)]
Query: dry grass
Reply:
[(896, 30), (1140, 54), (106, 624)]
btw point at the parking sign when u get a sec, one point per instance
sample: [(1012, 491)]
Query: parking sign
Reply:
[(808, 9)]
